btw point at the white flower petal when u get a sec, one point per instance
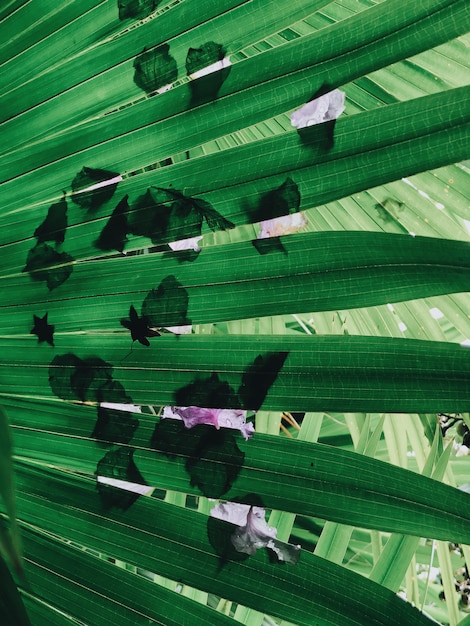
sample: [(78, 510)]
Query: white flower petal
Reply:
[(323, 109), (186, 244), (285, 225)]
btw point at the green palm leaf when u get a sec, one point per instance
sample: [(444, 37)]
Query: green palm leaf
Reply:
[(213, 156)]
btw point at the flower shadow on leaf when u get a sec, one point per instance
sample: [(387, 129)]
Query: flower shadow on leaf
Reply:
[(213, 459), (45, 263), (93, 187), (118, 464), (137, 9), (167, 305), (155, 68)]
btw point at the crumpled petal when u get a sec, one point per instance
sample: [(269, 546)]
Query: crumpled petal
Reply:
[(220, 418), (186, 244), (180, 330), (285, 225), (253, 532), (323, 109)]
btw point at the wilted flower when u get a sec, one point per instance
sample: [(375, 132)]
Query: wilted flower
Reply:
[(186, 244), (323, 109), (220, 418), (285, 225), (180, 330), (253, 531)]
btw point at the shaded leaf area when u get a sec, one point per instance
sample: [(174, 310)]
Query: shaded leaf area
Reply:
[(269, 245), (220, 534), (167, 305), (155, 68), (213, 458), (91, 380), (137, 9), (114, 234), (280, 201), (307, 479), (72, 378), (318, 272), (255, 384), (165, 215), (98, 592), (119, 465), (385, 36), (206, 87), (114, 425), (12, 611), (181, 256), (259, 377), (90, 177), (44, 263), (139, 327), (43, 330), (333, 595), (54, 225), (373, 372)]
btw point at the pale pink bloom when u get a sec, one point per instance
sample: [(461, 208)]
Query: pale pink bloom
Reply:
[(253, 532), (285, 225), (220, 418), (323, 109)]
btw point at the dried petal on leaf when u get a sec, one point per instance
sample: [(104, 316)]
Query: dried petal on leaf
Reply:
[(136, 8), (323, 109), (93, 187), (220, 418), (155, 68), (253, 532), (285, 225), (186, 244)]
